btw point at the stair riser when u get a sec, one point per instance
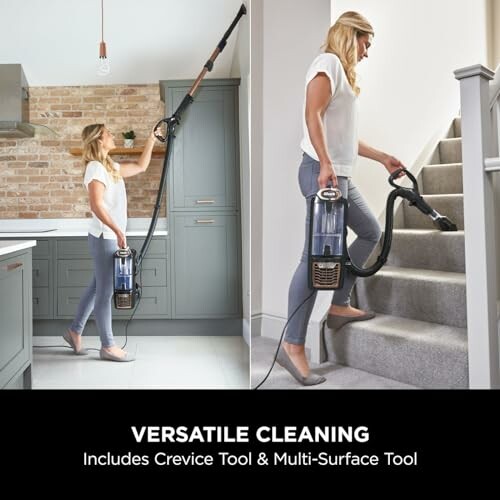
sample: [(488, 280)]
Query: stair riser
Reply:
[(457, 125), (426, 300), (442, 180), (398, 357), (437, 251), (452, 207), (450, 151)]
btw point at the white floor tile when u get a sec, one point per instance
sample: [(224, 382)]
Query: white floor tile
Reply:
[(161, 363)]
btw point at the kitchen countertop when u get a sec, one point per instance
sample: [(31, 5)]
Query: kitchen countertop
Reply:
[(56, 228), (7, 247)]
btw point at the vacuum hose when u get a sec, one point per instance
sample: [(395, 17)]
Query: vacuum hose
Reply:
[(415, 199)]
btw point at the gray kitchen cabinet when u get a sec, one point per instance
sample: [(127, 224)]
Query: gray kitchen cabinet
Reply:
[(75, 268), (204, 201), (206, 274), (205, 158), (16, 320)]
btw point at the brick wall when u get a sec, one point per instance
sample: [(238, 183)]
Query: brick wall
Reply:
[(39, 178)]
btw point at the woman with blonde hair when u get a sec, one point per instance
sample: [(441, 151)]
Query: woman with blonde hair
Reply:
[(330, 148), (103, 180)]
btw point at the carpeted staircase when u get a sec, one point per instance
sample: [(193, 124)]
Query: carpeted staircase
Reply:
[(419, 336)]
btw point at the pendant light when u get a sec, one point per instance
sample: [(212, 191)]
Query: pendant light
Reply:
[(104, 68)]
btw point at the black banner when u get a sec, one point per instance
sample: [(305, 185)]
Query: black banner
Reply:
[(343, 432)]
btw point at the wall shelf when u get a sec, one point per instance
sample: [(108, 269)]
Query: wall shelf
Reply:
[(122, 151)]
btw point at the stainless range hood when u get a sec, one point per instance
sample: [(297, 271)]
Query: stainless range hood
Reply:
[(14, 103)]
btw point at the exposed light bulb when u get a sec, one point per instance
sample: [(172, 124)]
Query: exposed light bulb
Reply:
[(104, 67)]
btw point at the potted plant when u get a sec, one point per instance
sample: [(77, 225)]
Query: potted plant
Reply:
[(129, 138)]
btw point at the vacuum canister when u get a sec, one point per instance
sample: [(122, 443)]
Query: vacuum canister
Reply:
[(124, 278), (327, 239)]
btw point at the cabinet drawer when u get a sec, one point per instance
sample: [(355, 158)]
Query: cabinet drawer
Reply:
[(79, 247), (42, 249), (40, 272), (74, 272), (202, 220), (40, 302), (157, 247), (73, 247), (154, 272), (153, 302), (79, 272)]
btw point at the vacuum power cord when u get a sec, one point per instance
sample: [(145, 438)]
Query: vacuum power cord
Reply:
[(281, 339)]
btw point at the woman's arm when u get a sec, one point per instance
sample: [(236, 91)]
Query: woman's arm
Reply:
[(129, 169), (390, 162), (318, 96), (96, 198)]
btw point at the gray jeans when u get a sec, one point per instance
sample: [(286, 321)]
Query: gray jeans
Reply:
[(97, 296), (360, 219)]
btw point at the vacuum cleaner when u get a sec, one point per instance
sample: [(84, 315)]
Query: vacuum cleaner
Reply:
[(127, 291), (328, 255), (127, 264)]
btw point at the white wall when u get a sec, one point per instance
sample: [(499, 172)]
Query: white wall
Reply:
[(408, 91), (57, 41), (292, 32), (241, 69), (256, 153)]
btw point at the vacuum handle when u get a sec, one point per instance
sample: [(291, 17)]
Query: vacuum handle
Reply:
[(410, 176), (157, 133)]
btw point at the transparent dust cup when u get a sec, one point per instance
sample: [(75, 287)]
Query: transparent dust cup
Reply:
[(123, 273), (328, 228)]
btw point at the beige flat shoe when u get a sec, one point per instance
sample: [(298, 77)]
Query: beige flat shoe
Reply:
[(67, 337), (336, 322), (284, 360), (107, 356)]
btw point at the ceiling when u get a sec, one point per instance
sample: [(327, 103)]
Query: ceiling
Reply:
[(57, 41)]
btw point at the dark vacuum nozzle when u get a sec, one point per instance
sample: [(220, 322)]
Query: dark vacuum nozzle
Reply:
[(243, 9), (445, 224)]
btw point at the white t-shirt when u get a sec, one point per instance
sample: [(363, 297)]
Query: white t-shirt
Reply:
[(115, 200), (340, 118)]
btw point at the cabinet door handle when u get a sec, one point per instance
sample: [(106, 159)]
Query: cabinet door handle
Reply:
[(11, 267), (205, 202), (205, 221)]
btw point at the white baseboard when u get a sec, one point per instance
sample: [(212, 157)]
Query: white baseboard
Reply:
[(246, 331), (271, 327)]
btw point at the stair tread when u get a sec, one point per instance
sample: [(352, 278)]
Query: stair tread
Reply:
[(417, 330), (424, 232), (426, 274), (412, 351), (451, 139), (444, 195), (438, 165)]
